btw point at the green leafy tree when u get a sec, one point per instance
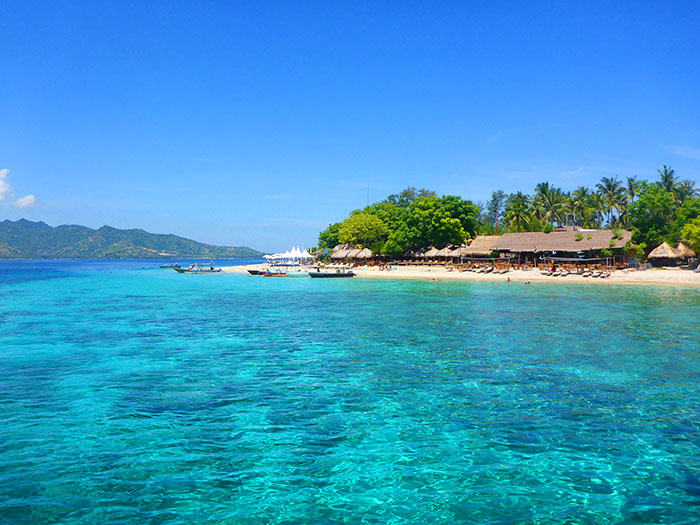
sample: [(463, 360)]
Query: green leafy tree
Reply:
[(691, 233), (363, 229), (650, 215), (495, 208), (329, 238)]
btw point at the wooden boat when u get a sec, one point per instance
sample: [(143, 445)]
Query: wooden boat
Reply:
[(274, 274), (200, 268), (256, 272), (337, 274)]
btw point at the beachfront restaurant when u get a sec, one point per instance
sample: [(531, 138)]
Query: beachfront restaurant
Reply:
[(565, 245)]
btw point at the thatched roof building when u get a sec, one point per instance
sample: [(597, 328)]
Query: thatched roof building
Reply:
[(684, 250), (365, 253), (566, 239), (664, 251), (445, 252), (432, 252), (481, 246), (458, 252), (340, 252)]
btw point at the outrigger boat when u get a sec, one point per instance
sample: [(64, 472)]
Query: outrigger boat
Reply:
[(198, 268), (330, 275)]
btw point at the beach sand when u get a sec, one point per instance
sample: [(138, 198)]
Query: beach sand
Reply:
[(664, 276)]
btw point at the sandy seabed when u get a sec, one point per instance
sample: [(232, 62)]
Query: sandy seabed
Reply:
[(664, 276)]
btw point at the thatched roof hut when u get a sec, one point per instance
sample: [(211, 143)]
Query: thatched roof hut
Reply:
[(353, 253), (567, 239), (684, 250), (664, 251), (365, 253), (445, 252), (340, 253), (457, 252), (482, 246), (432, 252)]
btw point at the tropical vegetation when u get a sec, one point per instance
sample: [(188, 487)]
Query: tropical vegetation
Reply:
[(667, 209)]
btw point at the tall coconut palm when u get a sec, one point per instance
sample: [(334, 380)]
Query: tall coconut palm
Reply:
[(580, 202), (668, 178), (684, 191), (596, 211), (549, 203), (611, 193), (632, 188), (518, 210)]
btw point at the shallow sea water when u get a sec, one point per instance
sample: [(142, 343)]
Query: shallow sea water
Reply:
[(133, 394)]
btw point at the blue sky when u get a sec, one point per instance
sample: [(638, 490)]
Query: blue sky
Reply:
[(259, 123)]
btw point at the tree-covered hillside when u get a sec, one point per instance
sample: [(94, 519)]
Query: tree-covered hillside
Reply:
[(25, 239)]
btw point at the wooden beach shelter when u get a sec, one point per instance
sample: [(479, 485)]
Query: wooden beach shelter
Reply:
[(432, 252), (365, 253), (684, 250), (352, 254), (482, 246), (445, 252), (457, 252), (340, 254), (664, 254)]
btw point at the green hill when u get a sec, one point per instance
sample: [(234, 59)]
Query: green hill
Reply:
[(25, 239)]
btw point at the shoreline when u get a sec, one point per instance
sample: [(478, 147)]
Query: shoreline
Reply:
[(653, 276)]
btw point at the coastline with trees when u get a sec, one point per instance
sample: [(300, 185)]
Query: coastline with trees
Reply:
[(664, 210)]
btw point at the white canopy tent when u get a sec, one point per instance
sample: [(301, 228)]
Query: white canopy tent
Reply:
[(294, 254)]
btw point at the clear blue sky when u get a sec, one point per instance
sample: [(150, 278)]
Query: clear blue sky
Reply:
[(258, 123)]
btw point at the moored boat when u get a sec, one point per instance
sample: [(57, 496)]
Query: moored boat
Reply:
[(198, 268), (336, 274)]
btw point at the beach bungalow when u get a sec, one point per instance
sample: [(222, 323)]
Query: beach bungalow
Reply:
[(665, 255), (685, 251)]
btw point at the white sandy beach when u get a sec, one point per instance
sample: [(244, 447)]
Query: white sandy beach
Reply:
[(662, 276)]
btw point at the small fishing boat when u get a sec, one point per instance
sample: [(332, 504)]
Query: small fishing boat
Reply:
[(169, 265), (256, 272), (336, 274), (274, 274), (198, 268)]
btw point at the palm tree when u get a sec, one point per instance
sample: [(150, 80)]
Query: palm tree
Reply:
[(596, 211), (518, 210), (611, 193), (668, 178), (549, 203), (632, 189), (580, 202), (684, 191)]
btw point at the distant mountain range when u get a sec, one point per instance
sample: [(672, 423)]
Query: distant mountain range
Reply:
[(25, 239)]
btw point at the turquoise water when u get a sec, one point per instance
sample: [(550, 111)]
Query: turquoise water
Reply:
[(139, 395)]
